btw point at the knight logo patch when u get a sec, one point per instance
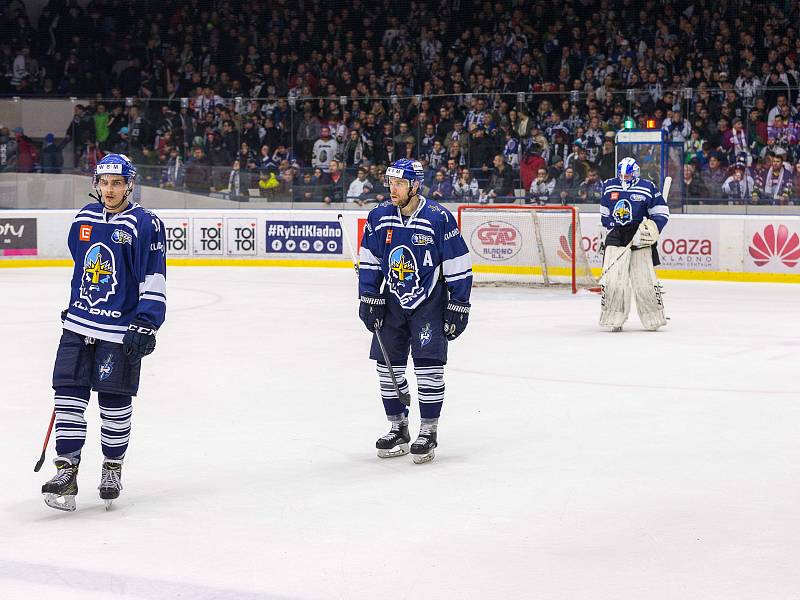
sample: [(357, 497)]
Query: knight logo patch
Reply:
[(404, 280), (425, 335), (106, 368), (622, 213), (99, 281)]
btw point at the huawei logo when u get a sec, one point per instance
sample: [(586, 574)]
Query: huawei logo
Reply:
[(769, 243)]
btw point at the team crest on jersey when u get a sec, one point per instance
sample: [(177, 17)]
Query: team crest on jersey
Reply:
[(622, 213), (425, 335), (106, 368), (404, 281), (99, 281)]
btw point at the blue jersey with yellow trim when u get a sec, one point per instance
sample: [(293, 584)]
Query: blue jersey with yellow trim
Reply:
[(412, 253), (620, 206), (120, 271)]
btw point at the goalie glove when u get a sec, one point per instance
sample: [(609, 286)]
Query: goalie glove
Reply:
[(646, 235)]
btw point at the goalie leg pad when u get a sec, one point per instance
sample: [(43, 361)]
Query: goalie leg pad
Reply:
[(615, 293), (647, 290)]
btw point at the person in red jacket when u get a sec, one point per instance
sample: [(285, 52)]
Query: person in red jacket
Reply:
[(27, 154)]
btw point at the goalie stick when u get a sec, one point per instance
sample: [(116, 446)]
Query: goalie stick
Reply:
[(404, 397)]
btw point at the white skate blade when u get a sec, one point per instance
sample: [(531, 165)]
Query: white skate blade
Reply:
[(421, 459), (65, 503), (108, 504), (399, 450)]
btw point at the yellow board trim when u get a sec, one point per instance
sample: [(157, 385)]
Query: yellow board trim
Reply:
[(21, 263)]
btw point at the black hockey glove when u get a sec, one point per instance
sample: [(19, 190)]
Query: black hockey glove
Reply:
[(456, 316), (372, 311), (64, 315), (139, 340)]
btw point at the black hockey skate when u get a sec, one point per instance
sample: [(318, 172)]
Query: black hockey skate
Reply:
[(110, 481), (394, 443), (422, 448), (60, 491)]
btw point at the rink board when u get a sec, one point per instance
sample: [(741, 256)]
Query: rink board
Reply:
[(704, 247)]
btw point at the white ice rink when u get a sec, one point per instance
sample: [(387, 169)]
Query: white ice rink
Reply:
[(573, 463)]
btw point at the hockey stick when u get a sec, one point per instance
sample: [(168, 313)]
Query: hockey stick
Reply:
[(46, 440), (665, 194), (404, 397)]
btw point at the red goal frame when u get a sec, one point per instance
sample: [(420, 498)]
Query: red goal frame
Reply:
[(542, 207)]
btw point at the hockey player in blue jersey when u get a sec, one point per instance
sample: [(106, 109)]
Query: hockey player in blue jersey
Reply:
[(635, 213), (117, 302), (415, 278)]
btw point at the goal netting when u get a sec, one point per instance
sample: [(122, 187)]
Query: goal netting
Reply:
[(525, 245)]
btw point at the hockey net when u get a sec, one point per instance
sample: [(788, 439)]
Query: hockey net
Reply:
[(526, 245)]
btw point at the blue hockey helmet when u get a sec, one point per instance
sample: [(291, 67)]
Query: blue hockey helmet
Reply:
[(405, 168), (115, 164), (628, 171)]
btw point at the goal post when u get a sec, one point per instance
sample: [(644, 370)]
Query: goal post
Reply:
[(531, 245)]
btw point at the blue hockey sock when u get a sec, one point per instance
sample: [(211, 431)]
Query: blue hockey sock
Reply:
[(391, 403), (430, 387), (70, 404), (115, 413)]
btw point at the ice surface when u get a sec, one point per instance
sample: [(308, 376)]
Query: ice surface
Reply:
[(573, 463)]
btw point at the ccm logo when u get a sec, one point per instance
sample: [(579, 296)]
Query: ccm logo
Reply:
[(85, 233)]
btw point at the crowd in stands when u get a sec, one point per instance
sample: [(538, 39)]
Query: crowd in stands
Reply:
[(311, 100)]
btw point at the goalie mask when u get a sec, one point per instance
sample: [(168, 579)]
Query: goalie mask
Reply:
[(628, 172)]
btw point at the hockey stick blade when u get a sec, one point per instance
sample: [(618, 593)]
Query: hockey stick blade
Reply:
[(404, 397)]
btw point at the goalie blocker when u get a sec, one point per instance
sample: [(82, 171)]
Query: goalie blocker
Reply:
[(635, 212)]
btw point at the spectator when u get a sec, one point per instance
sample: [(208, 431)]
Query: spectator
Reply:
[(466, 188), (437, 156), (268, 183), (566, 188), (335, 192), (354, 152), (607, 161), (716, 174), (8, 151), (52, 159), (197, 178), (442, 189), (676, 128), (774, 186), (101, 128), (591, 189), (306, 189), (237, 182), (693, 185), (541, 189), (360, 188), (501, 181), (174, 170), (740, 186), (27, 154)]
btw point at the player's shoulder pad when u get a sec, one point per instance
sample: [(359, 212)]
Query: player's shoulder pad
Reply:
[(383, 208), (92, 207), (437, 211)]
